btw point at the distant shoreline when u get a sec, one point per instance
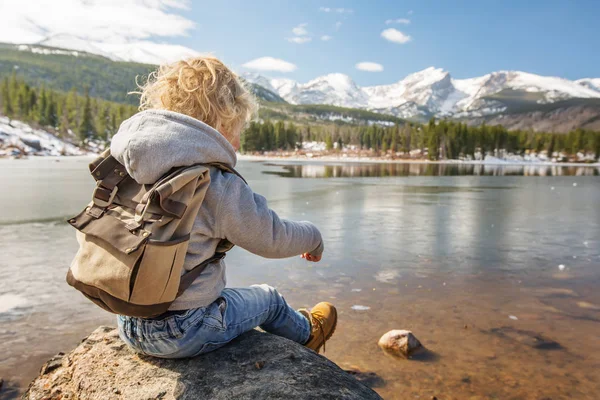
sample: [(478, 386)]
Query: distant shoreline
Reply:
[(375, 160), (354, 160)]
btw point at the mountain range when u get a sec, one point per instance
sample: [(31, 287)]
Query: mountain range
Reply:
[(515, 99), (434, 92)]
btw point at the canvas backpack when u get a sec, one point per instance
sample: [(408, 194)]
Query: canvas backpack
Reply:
[(133, 238)]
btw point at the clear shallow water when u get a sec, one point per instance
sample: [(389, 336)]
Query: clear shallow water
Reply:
[(469, 263)]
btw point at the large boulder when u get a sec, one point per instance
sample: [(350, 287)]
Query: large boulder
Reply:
[(254, 366)]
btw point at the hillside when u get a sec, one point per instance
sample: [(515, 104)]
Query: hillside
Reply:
[(561, 116), (62, 69), (516, 99)]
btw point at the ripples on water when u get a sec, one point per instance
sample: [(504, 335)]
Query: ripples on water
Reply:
[(451, 257)]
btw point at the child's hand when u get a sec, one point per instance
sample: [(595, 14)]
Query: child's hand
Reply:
[(310, 257)]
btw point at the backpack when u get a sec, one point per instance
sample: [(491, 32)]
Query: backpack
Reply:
[(133, 238)]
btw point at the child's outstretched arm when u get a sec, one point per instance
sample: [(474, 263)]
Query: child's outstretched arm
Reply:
[(245, 219)]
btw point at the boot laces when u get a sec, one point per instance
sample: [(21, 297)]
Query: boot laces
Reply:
[(319, 322)]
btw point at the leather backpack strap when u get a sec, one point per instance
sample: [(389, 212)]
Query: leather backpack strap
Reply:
[(227, 168), (108, 173), (189, 277)]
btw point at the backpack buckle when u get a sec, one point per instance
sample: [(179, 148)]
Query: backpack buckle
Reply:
[(97, 196)]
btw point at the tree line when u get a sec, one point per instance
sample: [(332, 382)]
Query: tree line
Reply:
[(85, 117), (268, 136), (442, 139), (68, 114)]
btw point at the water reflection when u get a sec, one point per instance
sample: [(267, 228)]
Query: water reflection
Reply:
[(360, 170), (444, 257)]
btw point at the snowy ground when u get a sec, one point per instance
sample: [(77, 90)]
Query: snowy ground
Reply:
[(316, 151), (19, 139), (345, 158)]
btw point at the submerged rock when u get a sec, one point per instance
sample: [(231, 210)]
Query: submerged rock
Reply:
[(254, 366), (528, 338), (400, 343)]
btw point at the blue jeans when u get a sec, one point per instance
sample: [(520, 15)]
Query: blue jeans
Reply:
[(197, 331)]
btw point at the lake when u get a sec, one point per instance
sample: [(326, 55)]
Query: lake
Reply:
[(496, 269)]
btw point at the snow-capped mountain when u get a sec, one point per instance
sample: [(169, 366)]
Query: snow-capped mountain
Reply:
[(141, 51), (433, 91), (335, 89), (591, 83)]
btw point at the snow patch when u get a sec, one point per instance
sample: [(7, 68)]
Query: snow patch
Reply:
[(18, 139)]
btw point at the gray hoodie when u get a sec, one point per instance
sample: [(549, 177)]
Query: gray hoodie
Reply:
[(152, 142)]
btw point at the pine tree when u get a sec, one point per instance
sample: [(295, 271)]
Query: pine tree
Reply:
[(433, 143), (41, 109), (63, 119), (72, 108), (86, 128), (280, 139), (113, 127), (51, 111), (328, 142), (103, 121), (291, 134), (406, 143), (13, 89), (32, 105), (551, 146), (6, 100), (394, 143)]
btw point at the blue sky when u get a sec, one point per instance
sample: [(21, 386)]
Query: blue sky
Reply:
[(467, 38)]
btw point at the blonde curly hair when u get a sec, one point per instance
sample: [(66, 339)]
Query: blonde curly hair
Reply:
[(202, 88)]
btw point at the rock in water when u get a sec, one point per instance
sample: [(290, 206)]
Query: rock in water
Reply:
[(102, 367), (399, 343)]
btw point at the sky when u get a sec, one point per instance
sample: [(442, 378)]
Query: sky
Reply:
[(375, 42)]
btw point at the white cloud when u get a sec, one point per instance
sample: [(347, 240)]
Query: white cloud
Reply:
[(300, 30), (338, 25), (299, 39), (326, 38), (337, 10), (270, 64), (369, 66), (394, 35), (398, 21), (115, 21)]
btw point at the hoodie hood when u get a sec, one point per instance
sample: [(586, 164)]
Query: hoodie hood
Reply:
[(152, 142)]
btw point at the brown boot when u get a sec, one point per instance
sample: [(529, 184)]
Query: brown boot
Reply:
[(323, 320)]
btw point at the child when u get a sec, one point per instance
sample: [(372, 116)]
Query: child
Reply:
[(194, 113)]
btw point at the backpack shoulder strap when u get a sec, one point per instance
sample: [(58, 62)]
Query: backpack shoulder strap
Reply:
[(189, 277), (108, 173), (227, 168)]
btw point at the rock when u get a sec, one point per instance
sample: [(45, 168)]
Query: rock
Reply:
[(399, 343), (33, 143), (528, 338), (254, 366), (52, 364)]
